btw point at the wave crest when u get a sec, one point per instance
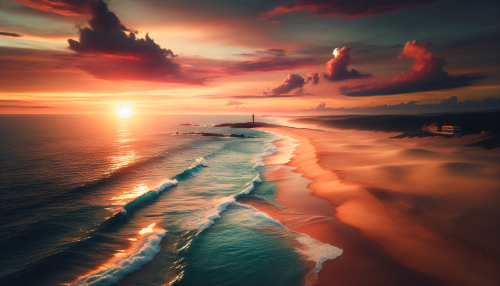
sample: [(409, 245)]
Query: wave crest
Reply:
[(144, 254)]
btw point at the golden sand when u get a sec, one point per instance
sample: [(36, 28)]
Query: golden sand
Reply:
[(413, 211)]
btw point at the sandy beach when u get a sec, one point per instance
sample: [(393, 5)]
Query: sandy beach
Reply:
[(411, 211)]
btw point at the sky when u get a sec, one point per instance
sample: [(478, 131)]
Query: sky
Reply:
[(292, 57)]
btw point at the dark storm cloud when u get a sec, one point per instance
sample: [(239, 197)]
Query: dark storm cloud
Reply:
[(337, 67), (345, 8), (123, 56), (427, 75), (10, 34)]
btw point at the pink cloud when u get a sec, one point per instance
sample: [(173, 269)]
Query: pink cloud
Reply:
[(426, 74), (337, 67), (234, 102), (345, 8), (73, 8), (314, 76)]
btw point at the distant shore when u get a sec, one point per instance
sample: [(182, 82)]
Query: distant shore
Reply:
[(470, 123), (396, 227)]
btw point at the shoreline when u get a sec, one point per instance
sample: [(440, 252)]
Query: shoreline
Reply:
[(382, 246)]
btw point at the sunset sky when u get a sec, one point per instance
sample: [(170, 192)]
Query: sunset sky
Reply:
[(285, 57)]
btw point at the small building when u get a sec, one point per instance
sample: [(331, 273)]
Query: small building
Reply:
[(435, 127), (452, 130), (442, 129)]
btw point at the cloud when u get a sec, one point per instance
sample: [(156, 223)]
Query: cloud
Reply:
[(345, 8), (321, 107), (426, 74), (231, 102), (337, 67), (274, 52), (275, 22), (122, 56), (451, 103), (265, 95), (314, 77), (292, 82), (73, 8), (10, 34), (276, 62), (20, 104)]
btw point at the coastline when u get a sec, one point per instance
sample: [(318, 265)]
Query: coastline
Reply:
[(380, 247)]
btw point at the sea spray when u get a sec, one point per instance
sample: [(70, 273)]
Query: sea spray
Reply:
[(143, 254)]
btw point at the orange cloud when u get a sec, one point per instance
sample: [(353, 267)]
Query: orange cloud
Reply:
[(337, 67), (426, 74), (344, 8), (73, 8)]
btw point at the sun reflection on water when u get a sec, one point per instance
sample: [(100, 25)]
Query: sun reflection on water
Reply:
[(148, 229), (129, 195), (124, 154)]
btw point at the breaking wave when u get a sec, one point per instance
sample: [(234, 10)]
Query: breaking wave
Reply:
[(270, 149), (208, 217), (142, 255), (139, 201), (195, 168)]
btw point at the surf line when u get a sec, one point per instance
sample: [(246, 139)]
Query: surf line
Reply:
[(144, 253), (314, 250), (139, 201), (150, 243)]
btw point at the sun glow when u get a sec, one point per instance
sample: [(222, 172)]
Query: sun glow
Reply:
[(124, 111), (335, 52)]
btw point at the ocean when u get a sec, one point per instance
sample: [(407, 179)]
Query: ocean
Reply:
[(98, 200)]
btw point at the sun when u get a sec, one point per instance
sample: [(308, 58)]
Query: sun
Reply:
[(124, 111)]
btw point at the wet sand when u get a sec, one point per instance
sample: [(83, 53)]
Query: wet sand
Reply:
[(412, 211)]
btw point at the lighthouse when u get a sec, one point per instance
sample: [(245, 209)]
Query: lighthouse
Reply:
[(253, 119)]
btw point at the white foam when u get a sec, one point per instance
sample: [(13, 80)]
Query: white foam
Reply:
[(213, 213), (318, 251), (257, 179), (314, 250), (269, 150), (201, 162), (165, 185), (144, 254), (247, 189)]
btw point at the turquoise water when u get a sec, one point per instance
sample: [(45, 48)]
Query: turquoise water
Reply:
[(97, 200)]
